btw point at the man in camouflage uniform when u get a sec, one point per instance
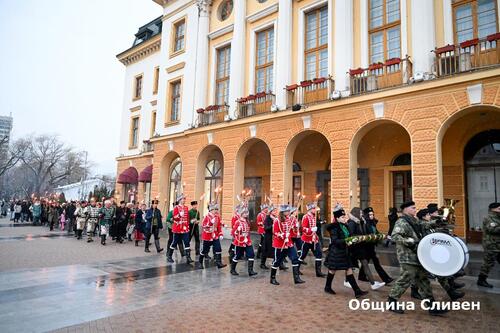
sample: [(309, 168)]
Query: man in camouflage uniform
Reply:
[(407, 234), (491, 243)]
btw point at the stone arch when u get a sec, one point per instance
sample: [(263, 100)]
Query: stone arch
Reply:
[(453, 136), (206, 154), (378, 143), (164, 179), (312, 150)]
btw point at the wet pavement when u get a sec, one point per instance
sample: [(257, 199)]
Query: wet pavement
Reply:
[(145, 294)]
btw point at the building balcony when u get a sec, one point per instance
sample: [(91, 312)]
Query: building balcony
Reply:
[(394, 72), (251, 105), (212, 114), (310, 91), (467, 56), (147, 146)]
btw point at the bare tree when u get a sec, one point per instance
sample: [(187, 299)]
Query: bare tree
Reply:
[(50, 163), (10, 155)]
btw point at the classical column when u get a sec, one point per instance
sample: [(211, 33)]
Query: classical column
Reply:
[(201, 72), (284, 47), (343, 43), (237, 67), (423, 35)]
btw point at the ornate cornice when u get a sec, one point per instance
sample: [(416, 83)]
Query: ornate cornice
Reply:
[(140, 51), (204, 6)]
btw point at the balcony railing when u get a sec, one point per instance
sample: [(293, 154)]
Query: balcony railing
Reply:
[(394, 72), (147, 146), (310, 91), (468, 55), (259, 103), (212, 114)]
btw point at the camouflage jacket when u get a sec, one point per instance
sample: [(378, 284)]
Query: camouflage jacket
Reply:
[(491, 232), (407, 234)]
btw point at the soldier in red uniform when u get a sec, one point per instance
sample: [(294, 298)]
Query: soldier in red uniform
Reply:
[(261, 217), (180, 229), (235, 218), (283, 245), (212, 235), (310, 238), (242, 242)]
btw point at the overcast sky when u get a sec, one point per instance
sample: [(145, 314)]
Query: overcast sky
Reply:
[(59, 73)]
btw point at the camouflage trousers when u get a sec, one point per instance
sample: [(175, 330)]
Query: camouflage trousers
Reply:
[(489, 261), (411, 274)]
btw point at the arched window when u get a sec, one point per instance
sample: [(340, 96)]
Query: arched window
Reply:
[(403, 159), (175, 180), (213, 179)]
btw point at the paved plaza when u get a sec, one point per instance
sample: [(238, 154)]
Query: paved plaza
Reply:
[(49, 281)]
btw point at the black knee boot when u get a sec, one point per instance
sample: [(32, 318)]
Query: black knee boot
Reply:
[(317, 264), (273, 276), (188, 256), (296, 275), (259, 251), (357, 291), (328, 285), (233, 267), (103, 239), (251, 272), (146, 245), (200, 261), (218, 261), (170, 253), (157, 245)]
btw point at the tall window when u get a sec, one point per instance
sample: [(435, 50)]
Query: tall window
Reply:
[(474, 19), (153, 123), (175, 180), (134, 132), (213, 178), (138, 87), (156, 79), (175, 101), (316, 42), (385, 32), (265, 61), (179, 35), (222, 75)]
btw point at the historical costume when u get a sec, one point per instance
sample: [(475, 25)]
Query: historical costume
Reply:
[(180, 229), (194, 230), (139, 224), (107, 215), (242, 242), (310, 238), (283, 244), (261, 217), (212, 235), (81, 215), (92, 219)]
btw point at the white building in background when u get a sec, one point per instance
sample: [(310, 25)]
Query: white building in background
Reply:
[(81, 190), (5, 130)]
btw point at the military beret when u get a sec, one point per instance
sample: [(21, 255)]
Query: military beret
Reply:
[(407, 204), (154, 202), (432, 207), (421, 213), (494, 205)]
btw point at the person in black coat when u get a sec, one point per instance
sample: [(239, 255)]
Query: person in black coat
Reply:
[(371, 221), (119, 229), (362, 251), (338, 257), (392, 217), (267, 244)]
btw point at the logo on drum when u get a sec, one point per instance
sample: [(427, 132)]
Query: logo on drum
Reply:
[(435, 241)]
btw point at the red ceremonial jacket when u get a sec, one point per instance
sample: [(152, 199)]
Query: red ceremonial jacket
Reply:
[(181, 223), (295, 232), (261, 217), (281, 233), (309, 222), (212, 227), (241, 233)]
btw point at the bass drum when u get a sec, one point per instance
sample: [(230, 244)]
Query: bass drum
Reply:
[(442, 254)]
